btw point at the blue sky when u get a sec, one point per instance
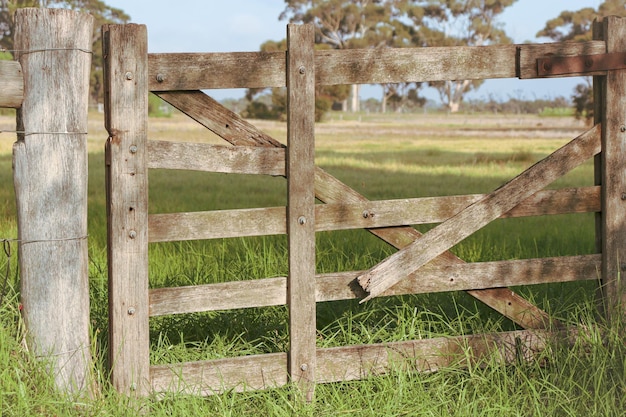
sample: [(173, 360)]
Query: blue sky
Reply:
[(242, 25)]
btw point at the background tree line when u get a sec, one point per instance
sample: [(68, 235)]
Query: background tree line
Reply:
[(343, 24)]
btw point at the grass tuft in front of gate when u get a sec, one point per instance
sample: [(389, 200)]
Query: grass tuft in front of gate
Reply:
[(391, 157)]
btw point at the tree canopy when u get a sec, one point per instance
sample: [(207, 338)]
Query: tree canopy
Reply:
[(576, 26), (405, 23), (101, 12)]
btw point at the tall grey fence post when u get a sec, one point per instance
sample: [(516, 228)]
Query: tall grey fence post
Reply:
[(50, 176)]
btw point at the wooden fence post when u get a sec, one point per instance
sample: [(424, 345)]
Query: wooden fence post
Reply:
[(126, 119), (614, 174), (11, 84), (301, 206), (50, 176)]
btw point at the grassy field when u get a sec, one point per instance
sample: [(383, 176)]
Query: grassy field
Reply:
[(391, 156)]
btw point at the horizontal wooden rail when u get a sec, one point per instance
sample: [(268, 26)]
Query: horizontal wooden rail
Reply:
[(370, 214), (216, 158), (11, 84), (342, 285), (199, 71), (348, 363)]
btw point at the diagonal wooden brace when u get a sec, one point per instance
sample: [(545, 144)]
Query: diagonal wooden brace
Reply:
[(329, 189), (474, 217)]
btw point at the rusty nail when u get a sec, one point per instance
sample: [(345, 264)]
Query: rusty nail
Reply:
[(622, 128), (129, 75), (133, 148), (547, 66), (304, 367), (302, 220), (588, 62), (302, 70), (366, 214), (160, 78), (131, 311), (132, 234)]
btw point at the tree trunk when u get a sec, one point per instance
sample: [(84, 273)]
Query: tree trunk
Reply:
[(50, 176)]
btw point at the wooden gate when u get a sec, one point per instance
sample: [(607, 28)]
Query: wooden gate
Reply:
[(422, 263)]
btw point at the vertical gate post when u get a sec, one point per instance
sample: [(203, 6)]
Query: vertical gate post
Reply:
[(50, 177), (126, 108), (614, 174), (301, 206)]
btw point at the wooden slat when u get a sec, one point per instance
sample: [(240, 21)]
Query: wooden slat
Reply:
[(329, 189), (11, 84), (374, 214), (477, 215), (195, 71), (614, 176), (301, 206), (357, 66), (216, 158), (239, 374), (348, 363), (528, 55), (126, 104), (342, 285)]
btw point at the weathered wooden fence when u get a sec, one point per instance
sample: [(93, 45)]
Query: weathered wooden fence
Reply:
[(422, 264), (49, 85)]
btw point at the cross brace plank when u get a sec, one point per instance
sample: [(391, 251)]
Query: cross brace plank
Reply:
[(237, 131), (476, 216)]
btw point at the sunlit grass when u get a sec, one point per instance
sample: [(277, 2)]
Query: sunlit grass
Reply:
[(395, 156)]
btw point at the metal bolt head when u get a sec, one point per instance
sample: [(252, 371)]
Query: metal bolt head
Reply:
[(133, 149), (132, 234), (131, 311), (129, 75), (366, 214), (302, 220), (622, 128), (623, 196), (160, 78), (302, 70), (304, 367)]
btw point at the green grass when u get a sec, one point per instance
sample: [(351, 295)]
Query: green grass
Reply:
[(381, 158)]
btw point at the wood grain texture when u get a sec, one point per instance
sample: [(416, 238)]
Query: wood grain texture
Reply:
[(216, 158), (301, 206), (528, 55), (477, 215), (614, 174), (329, 189), (201, 71), (343, 285), (126, 120), (168, 227), (348, 363), (11, 84), (50, 177)]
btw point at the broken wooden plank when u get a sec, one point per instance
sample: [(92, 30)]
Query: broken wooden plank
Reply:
[(477, 215), (251, 293), (328, 189), (167, 227)]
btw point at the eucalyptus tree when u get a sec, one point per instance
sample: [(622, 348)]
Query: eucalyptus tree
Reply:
[(101, 12), (457, 23), (576, 26), (343, 24)]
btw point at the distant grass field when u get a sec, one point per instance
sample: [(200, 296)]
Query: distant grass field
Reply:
[(382, 157)]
